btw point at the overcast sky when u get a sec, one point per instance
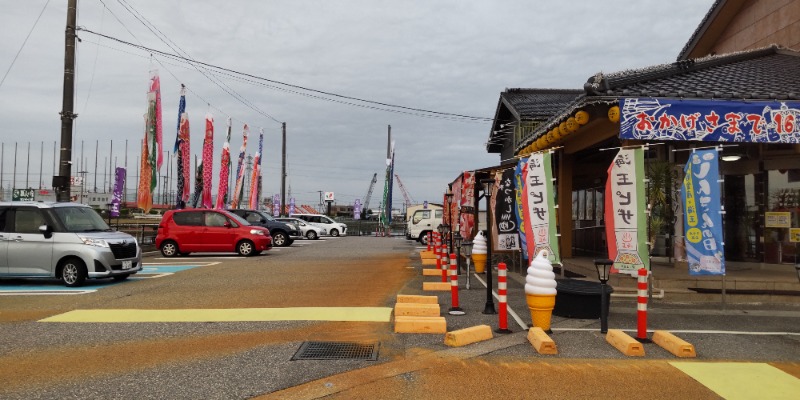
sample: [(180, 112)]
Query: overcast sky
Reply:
[(445, 56)]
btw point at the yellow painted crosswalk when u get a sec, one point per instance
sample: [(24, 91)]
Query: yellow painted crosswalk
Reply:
[(358, 314), (740, 380)]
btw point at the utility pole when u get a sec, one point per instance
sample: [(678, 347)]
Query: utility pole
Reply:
[(283, 170), (61, 182)]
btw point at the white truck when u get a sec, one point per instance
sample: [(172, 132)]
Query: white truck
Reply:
[(422, 221)]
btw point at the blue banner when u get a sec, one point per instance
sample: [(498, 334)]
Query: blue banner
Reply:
[(710, 120), (702, 218), (519, 179)]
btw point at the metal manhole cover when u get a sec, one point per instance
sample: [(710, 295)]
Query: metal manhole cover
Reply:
[(337, 351)]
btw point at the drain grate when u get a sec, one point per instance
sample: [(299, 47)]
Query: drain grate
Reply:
[(337, 351)]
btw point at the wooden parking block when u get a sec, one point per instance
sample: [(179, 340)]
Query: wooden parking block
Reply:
[(541, 341), (436, 286), (420, 325), (416, 309), (428, 261), (411, 298), (674, 344), (463, 337), (624, 343), (427, 254), (431, 272)]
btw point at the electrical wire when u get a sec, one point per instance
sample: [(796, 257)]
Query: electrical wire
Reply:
[(417, 111), (24, 42)]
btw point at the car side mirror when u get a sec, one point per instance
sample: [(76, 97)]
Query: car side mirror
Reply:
[(46, 231), (227, 224)]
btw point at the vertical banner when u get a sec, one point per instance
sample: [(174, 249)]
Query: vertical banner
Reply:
[(357, 209), (254, 187), (208, 158), (467, 220), (702, 219), (507, 238), (291, 205), (181, 151), (239, 185), (144, 195), (455, 206), (119, 184), (538, 203), (224, 170), (276, 205), (626, 221), (520, 174), (155, 89)]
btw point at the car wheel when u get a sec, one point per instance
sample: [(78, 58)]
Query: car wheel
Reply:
[(311, 235), (423, 238), (73, 272), (120, 278), (334, 232), (245, 248), (169, 249), (280, 239)]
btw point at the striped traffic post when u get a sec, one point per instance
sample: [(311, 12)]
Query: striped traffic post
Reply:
[(455, 309), (436, 252), (641, 306), (445, 263), (430, 236), (502, 296)]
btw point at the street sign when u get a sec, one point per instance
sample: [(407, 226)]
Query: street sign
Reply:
[(23, 195), (328, 196)]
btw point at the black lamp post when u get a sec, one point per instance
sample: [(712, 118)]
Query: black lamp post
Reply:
[(466, 246), (487, 192), (603, 265)]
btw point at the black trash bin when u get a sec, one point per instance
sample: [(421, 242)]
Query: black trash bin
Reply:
[(579, 299)]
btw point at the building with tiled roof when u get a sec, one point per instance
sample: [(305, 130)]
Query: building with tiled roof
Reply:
[(747, 99)]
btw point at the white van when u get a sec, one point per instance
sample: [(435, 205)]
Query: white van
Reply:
[(68, 241), (422, 222), (322, 221)]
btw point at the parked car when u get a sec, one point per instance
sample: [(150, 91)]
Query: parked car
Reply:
[(281, 232), (307, 231), (334, 228), (182, 232), (68, 241)]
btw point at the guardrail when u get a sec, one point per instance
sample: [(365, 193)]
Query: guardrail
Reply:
[(145, 234)]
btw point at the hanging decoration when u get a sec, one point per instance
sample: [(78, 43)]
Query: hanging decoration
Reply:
[(119, 184), (151, 149), (181, 150), (254, 186), (702, 214), (626, 221), (155, 88), (224, 170), (538, 207), (239, 185), (357, 209), (291, 205), (198, 184), (208, 161), (467, 219), (276, 205), (386, 216)]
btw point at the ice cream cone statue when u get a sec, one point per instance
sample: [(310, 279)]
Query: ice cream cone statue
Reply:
[(540, 290), (479, 252)]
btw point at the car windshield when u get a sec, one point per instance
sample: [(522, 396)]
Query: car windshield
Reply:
[(81, 219), (267, 216), (239, 220)]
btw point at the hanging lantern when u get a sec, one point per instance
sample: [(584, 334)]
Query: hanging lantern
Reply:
[(572, 125), (582, 117), (554, 133), (562, 127), (613, 114)]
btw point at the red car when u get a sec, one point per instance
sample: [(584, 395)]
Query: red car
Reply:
[(201, 230)]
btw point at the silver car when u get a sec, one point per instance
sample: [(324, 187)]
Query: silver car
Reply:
[(67, 241)]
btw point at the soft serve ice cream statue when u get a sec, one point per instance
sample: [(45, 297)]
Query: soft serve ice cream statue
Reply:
[(540, 290), (479, 252)]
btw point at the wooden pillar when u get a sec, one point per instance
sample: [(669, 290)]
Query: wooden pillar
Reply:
[(564, 181)]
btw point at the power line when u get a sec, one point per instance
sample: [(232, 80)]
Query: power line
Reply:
[(23, 43), (432, 113)]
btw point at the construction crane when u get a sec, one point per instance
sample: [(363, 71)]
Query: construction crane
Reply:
[(369, 195), (409, 199)]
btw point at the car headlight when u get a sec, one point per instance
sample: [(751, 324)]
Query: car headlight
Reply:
[(256, 232), (93, 242)]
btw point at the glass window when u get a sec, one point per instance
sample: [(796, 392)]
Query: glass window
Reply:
[(215, 219), (783, 200), (189, 218), (438, 213), (420, 215), (81, 219), (28, 220), (3, 213)]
